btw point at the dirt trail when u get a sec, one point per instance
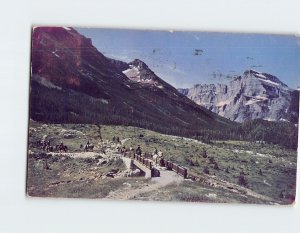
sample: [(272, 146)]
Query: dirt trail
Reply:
[(110, 152), (235, 188), (76, 154), (166, 177)]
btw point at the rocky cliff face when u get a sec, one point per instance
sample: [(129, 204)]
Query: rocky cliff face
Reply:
[(253, 95)]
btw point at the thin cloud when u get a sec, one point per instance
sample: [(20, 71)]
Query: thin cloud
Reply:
[(124, 55), (121, 57), (196, 37)]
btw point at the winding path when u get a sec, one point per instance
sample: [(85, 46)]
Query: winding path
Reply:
[(166, 178)]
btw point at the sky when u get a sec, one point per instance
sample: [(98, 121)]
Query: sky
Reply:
[(186, 58)]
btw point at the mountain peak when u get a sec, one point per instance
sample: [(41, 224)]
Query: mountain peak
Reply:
[(264, 77), (139, 72), (138, 64)]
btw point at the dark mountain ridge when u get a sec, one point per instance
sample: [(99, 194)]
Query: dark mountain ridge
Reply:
[(72, 82)]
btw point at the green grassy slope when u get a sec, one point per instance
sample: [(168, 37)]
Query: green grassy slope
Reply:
[(269, 170)]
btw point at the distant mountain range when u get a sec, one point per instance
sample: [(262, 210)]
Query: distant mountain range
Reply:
[(254, 95), (72, 82)]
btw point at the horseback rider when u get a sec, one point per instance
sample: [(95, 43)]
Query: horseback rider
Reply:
[(138, 150), (155, 155), (61, 146), (87, 145), (159, 156), (44, 145), (123, 149)]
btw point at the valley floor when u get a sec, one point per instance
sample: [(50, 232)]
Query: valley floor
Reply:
[(268, 171)]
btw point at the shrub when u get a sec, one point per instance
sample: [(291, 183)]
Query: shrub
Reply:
[(211, 159), (89, 160), (242, 180), (46, 165), (204, 153), (191, 162), (41, 155), (216, 166), (270, 161), (119, 162), (196, 163), (206, 170)]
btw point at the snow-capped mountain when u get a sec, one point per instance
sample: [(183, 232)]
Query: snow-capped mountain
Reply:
[(254, 95), (139, 72)]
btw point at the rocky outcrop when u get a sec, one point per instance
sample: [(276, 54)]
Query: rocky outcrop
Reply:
[(254, 95)]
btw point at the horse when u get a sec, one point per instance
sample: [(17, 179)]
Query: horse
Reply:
[(49, 148), (89, 147), (61, 148), (39, 144), (123, 150)]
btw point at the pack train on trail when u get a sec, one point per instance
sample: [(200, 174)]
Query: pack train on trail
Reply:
[(143, 158), (46, 146)]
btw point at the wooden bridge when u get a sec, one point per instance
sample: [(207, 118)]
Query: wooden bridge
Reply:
[(149, 167)]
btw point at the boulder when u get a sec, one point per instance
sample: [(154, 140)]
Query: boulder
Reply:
[(135, 172)]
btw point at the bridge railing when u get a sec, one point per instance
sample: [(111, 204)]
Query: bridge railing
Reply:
[(145, 161), (182, 171)]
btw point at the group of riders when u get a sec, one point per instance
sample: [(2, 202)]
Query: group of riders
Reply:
[(46, 146), (157, 155)]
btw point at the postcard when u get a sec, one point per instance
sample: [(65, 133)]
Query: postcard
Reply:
[(120, 114)]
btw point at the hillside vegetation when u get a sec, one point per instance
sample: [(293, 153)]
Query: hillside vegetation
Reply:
[(268, 170)]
